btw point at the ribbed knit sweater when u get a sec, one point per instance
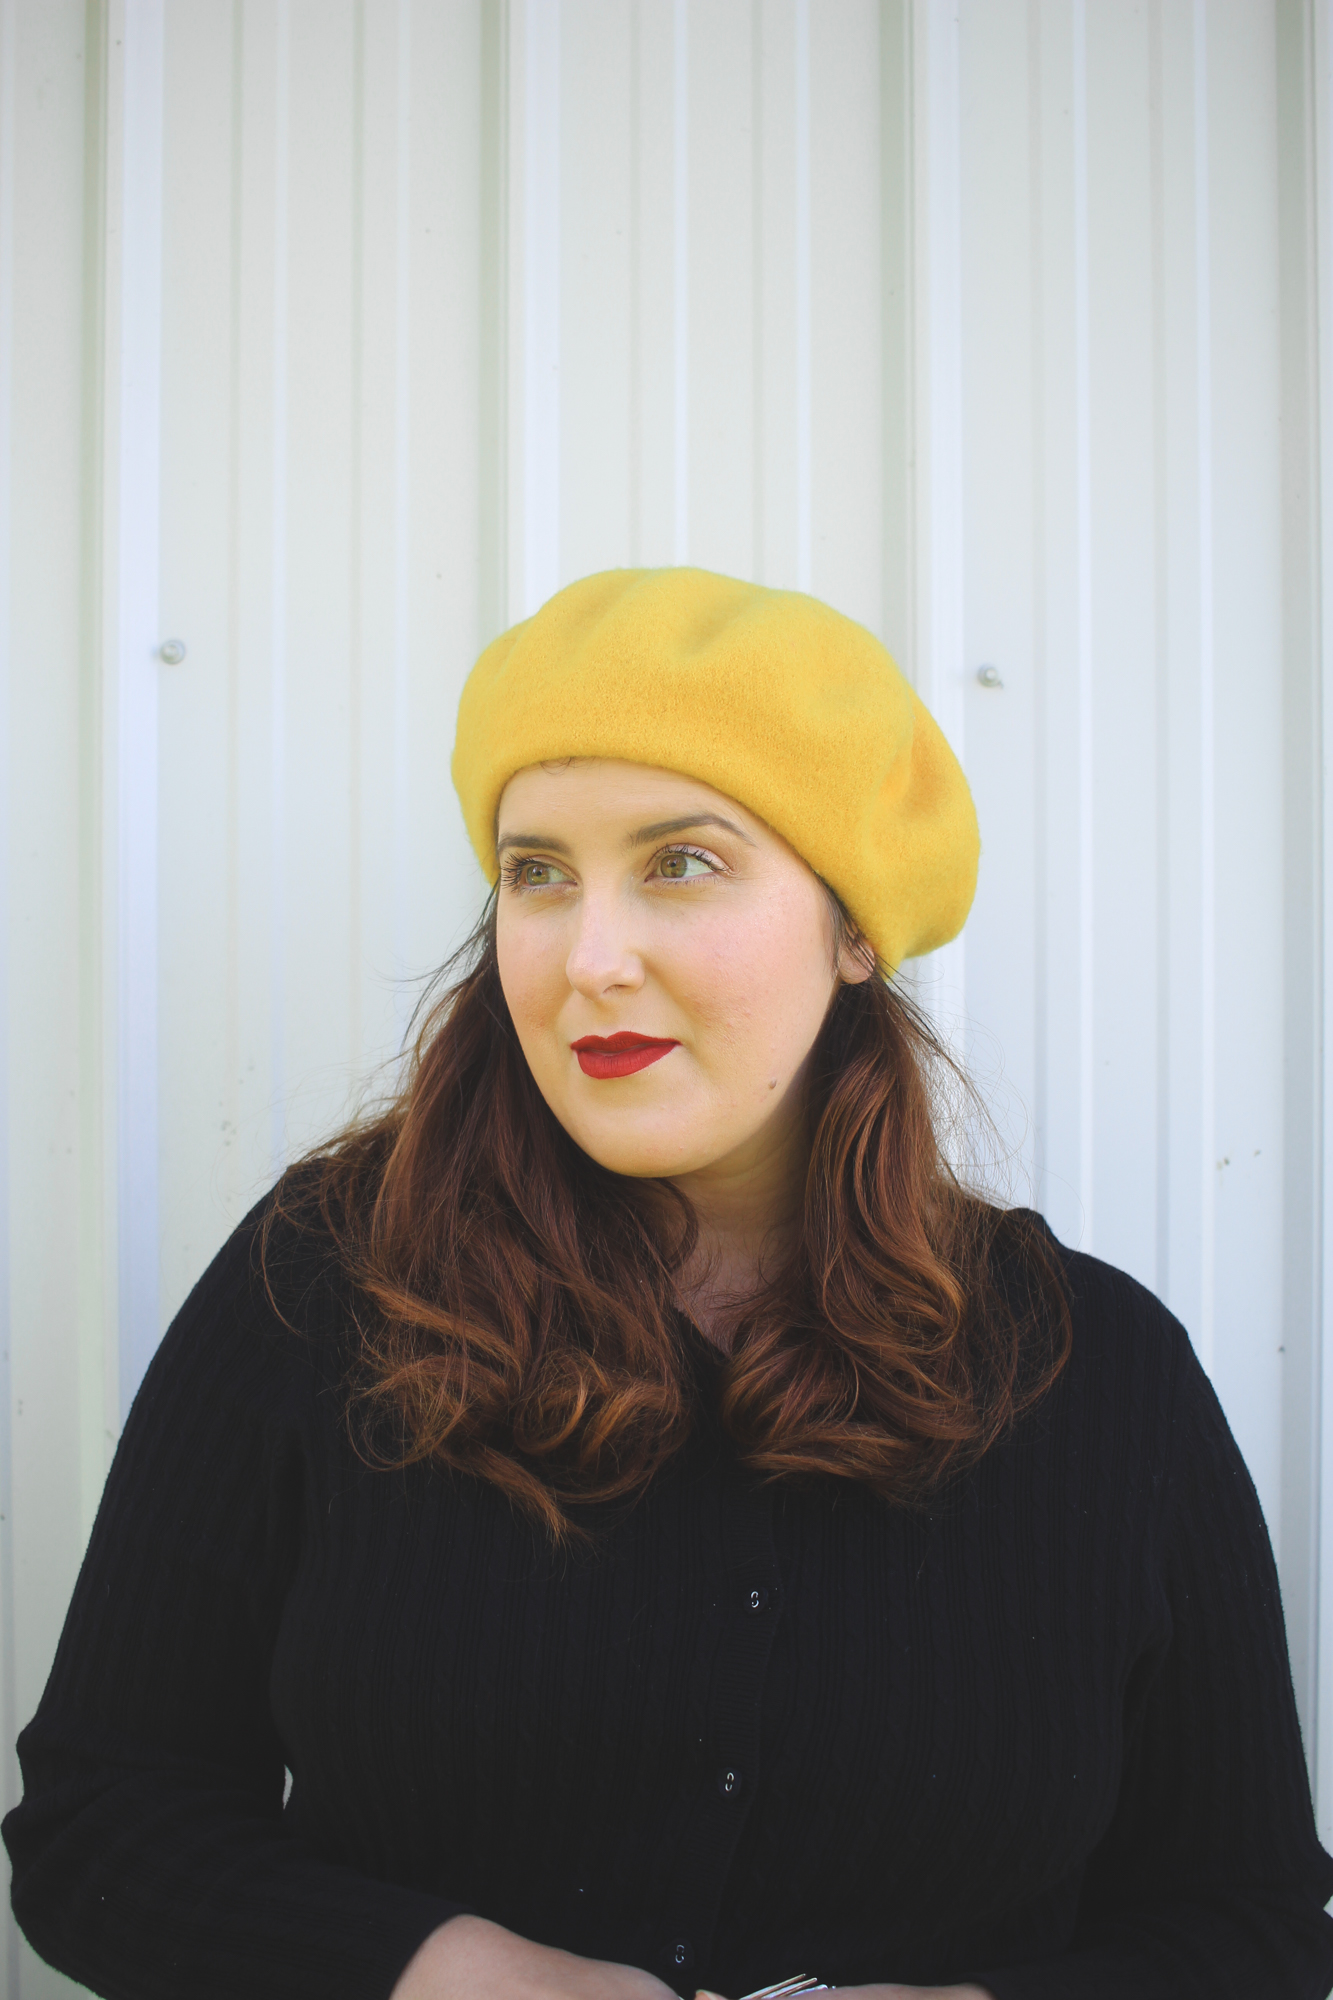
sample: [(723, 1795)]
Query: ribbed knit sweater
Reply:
[(1041, 1736)]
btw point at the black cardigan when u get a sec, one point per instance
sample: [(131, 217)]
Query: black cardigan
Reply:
[(1042, 1737)]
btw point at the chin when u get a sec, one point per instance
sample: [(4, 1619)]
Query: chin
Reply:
[(639, 1158), (637, 1164)]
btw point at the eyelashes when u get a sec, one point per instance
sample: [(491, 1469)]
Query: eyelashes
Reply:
[(511, 869)]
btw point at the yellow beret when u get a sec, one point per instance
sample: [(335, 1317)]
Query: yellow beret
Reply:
[(766, 695)]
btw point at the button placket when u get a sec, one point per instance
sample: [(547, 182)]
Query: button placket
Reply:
[(732, 1723)]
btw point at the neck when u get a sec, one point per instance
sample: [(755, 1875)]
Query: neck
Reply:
[(747, 1206)]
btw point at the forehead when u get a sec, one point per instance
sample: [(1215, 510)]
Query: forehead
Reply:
[(602, 791)]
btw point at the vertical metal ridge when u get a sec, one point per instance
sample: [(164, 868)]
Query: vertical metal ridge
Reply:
[(493, 329), (98, 1360), (944, 442), (402, 524), (356, 505), (681, 253), (1207, 733), (1298, 1526), (1321, 63), (138, 335), (512, 304), (757, 556), (232, 1057), (1083, 505), (804, 383), (1040, 662), (634, 526), (1162, 646), (9, 1786), (938, 441), (278, 470), (541, 303), (913, 76)]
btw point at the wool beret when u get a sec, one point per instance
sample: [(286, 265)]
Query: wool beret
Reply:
[(768, 696)]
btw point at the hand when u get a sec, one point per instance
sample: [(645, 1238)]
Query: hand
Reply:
[(907, 1992), (889, 1992), (471, 1959)]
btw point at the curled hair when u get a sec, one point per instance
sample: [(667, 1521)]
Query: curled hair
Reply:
[(518, 1320)]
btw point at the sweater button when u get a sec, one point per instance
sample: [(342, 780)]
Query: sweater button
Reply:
[(757, 1599), (728, 1783)]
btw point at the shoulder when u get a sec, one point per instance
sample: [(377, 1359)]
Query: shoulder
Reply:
[(1146, 1429), (1131, 1375), (1117, 1321), (272, 1304)]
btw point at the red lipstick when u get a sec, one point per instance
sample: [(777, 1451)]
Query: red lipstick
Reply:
[(619, 1055)]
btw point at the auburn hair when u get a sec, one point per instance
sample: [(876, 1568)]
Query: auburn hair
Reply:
[(516, 1312)]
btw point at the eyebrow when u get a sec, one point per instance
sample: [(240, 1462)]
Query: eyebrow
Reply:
[(640, 838), (679, 827), (531, 841)]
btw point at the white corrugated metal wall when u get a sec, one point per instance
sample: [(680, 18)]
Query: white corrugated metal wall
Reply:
[(360, 325)]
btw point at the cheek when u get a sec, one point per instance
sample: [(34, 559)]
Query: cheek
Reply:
[(759, 990), (530, 974)]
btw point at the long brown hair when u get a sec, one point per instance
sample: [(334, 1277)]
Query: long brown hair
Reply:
[(516, 1309)]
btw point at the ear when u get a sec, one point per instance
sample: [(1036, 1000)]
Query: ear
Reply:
[(856, 962)]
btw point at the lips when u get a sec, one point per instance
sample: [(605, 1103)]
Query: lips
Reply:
[(619, 1055)]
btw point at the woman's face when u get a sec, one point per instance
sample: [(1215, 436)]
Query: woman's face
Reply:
[(641, 907)]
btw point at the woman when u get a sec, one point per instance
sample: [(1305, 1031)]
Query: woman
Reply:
[(674, 1536)]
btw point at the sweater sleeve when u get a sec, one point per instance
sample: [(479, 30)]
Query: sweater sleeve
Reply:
[(1210, 1883), (149, 1852)]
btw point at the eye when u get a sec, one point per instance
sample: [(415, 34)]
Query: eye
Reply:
[(530, 874), (683, 864)]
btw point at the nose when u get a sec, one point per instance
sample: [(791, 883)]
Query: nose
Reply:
[(602, 958)]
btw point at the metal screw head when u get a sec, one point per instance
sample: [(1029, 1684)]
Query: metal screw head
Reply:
[(172, 651), (989, 677)]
